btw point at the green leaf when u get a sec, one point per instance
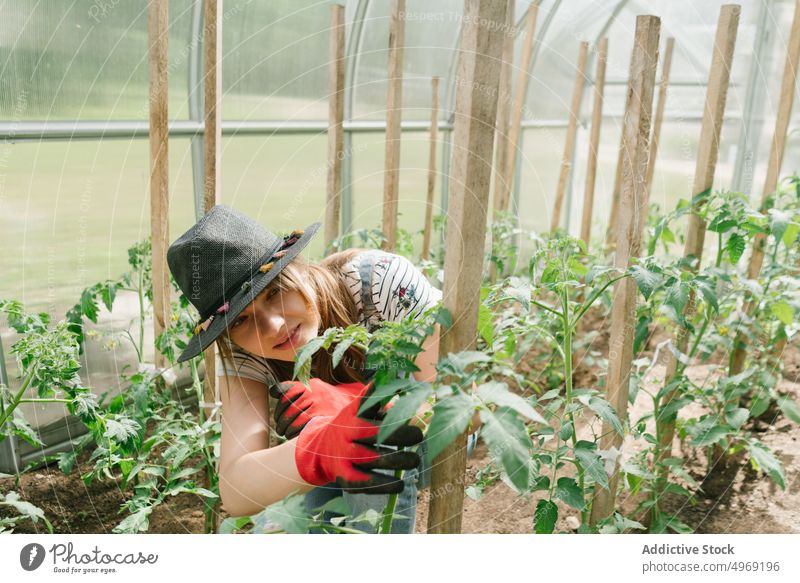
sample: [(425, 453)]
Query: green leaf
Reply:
[(139, 521), (783, 312), (108, 292), (646, 280), (340, 349), (605, 411), (385, 391), (544, 519), (737, 417), (570, 492), (593, 465), (498, 394), (403, 409), (485, 321), (706, 288), (790, 236), (758, 405), (710, 436), (88, 304), (765, 460), (509, 444), (289, 514), (789, 408), (11, 498), (735, 246), (778, 222), (451, 414)]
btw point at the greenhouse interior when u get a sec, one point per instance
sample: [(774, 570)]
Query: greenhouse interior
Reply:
[(626, 314)]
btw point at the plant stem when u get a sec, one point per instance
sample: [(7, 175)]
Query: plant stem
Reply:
[(567, 326), (18, 397), (45, 401), (388, 511), (141, 315)]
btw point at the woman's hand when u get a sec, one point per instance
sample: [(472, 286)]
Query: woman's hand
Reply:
[(343, 448), (298, 404)]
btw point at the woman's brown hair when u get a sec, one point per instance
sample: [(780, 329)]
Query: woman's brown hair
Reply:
[(336, 308)]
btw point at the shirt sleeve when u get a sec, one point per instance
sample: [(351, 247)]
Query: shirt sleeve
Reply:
[(245, 365), (400, 289)]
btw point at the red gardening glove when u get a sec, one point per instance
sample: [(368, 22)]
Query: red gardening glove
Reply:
[(299, 404), (342, 448)]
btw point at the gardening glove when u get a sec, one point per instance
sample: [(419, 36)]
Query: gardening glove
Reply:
[(298, 404), (341, 448)]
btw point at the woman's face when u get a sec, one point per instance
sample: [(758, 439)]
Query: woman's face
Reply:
[(263, 327)]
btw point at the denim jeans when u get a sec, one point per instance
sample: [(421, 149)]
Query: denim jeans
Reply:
[(406, 509)]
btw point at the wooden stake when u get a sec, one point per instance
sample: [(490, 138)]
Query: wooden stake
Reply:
[(773, 171), (394, 103), (662, 100), (212, 170), (572, 129), (612, 229), (707, 151), (516, 119), (157, 26), (594, 141), (504, 109), (335, 126), (426, 242), (476, 111), (635, 134), (503, 118)]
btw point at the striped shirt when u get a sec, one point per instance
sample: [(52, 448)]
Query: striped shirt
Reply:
[(399, 290)]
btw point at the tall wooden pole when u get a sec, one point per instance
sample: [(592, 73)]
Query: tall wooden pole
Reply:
[(707, 152), (426, 242), (773, 171), (632, 216), (516, 118), (394, 104), (476, 111), (666, 66), (572, 130), (335, 126), (158, 34), (501, 150), (212, 170), (594, 141)]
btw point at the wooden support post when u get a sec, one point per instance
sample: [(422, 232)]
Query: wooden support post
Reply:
[(773, 171), (504, 109), (572, 129), (594, 141), (503, 118), (632, 216), (516, 118), (212, 170), (394, 104), (666, 66), (470, 176), (612, 229), (707, 151), (426, 242), (335, 127), (158, 34)]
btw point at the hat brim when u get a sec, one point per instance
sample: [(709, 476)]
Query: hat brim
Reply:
[(242, 298)]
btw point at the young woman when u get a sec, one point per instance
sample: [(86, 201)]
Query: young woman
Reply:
[(261, 319)]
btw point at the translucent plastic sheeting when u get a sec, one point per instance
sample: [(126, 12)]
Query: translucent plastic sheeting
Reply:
[(86, 59)]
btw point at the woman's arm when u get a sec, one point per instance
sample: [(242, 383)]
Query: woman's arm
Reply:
[(251, 476)]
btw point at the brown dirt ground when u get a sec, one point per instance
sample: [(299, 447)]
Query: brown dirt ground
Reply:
[(736, 501)]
